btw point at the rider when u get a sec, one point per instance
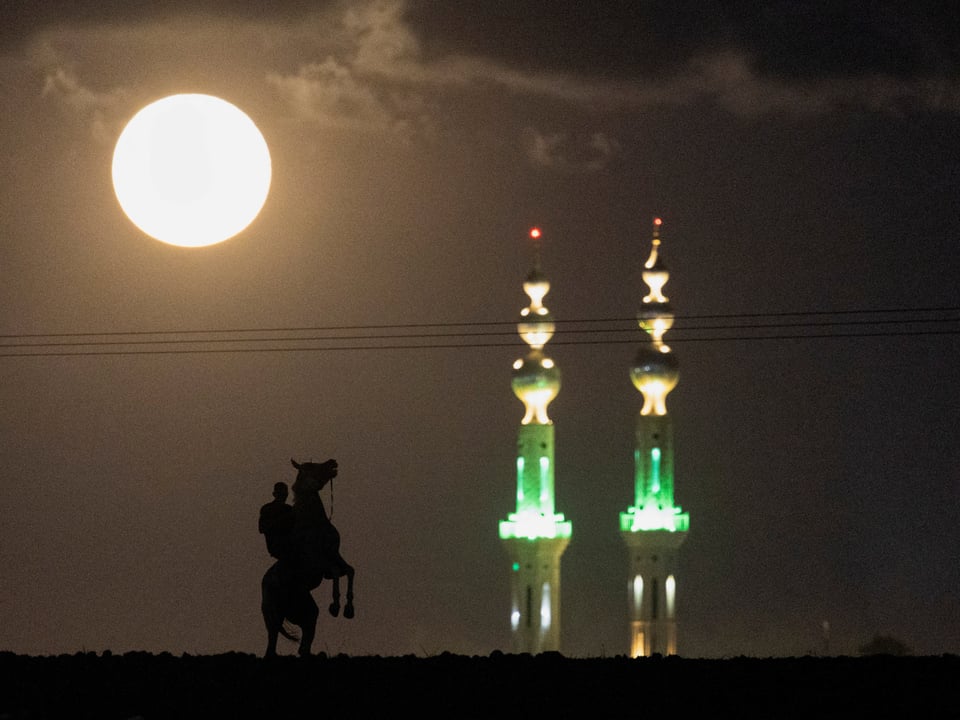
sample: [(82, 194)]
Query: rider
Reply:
[(276, 523)]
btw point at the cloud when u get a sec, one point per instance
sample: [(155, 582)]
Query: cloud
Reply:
[(331, 94), (94, 108), (371, 86), (727, 80), (63, 85), (361, 66), (381, 38), (381, 81), (563, 151), (731, 82)]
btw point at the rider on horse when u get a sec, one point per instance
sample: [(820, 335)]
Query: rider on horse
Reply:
[(312, 555)]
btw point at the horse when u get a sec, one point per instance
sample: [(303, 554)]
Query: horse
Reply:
[(315, 555)]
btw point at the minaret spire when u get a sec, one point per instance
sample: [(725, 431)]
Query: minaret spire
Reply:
[(653, 527), (535, 536)]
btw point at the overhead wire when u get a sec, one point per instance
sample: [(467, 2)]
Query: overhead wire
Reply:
[(468, 334), (472, 323)]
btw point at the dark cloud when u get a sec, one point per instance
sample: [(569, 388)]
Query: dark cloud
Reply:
[(21, 20), (788, 38), (615, 38)]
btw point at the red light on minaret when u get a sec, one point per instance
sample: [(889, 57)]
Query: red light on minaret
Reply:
[(535, 233), (658, 222)]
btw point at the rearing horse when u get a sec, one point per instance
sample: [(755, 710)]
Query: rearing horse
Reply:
[(315, 555)]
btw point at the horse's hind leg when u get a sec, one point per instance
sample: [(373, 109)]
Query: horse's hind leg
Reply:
[(273, 619), (308, 626), (272, 616), (271, 643), (335, 605), (348, 609)]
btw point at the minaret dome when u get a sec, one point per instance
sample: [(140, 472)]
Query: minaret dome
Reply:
[(654, 373)]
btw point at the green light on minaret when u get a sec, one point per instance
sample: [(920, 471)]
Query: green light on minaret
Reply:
[(535, 516), (655, 470)]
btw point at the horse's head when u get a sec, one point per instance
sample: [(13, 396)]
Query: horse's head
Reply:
[(311, 476)]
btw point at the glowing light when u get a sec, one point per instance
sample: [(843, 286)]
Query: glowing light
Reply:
[(656, 279), (520, 495), (651, 518), (656, 325), (536, 381), (536, 332), (545, 615), (655, 470), (535, 233), (637, 594), (537, 290), (191, 170), (546, 487), (530, 525), (655, 393), (670, 586), (658, 222), (536, 402), (655, 275)]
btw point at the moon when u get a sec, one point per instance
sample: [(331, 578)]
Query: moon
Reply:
[(191, 170)]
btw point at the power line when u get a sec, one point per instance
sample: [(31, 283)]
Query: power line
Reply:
[(441, 346), (559, 335), (398, 336), (507, 323)]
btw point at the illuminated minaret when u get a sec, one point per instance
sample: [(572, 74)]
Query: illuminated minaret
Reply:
[(653, 527), (535, 536)]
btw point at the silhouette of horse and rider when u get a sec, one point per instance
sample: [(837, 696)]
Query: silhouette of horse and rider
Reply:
[(306, 546)]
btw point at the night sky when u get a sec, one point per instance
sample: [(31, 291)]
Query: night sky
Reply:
[(805, 162)]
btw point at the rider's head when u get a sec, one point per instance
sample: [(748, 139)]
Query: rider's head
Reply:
[(280, 490)]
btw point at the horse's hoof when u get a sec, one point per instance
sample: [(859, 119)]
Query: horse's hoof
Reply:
[(348, 611), (334, 609)]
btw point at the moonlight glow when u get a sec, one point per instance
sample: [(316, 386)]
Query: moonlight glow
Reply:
[(191, 170)]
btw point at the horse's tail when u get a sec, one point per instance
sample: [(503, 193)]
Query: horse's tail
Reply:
[(286, 629)]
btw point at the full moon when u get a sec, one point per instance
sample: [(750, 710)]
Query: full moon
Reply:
[(191, 170)]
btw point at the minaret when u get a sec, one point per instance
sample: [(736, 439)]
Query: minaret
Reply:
[(535, 536), (653, 527)]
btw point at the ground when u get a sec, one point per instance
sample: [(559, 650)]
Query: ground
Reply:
[(142, 685)]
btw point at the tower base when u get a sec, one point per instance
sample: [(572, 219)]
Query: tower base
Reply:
[(535, 593)]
